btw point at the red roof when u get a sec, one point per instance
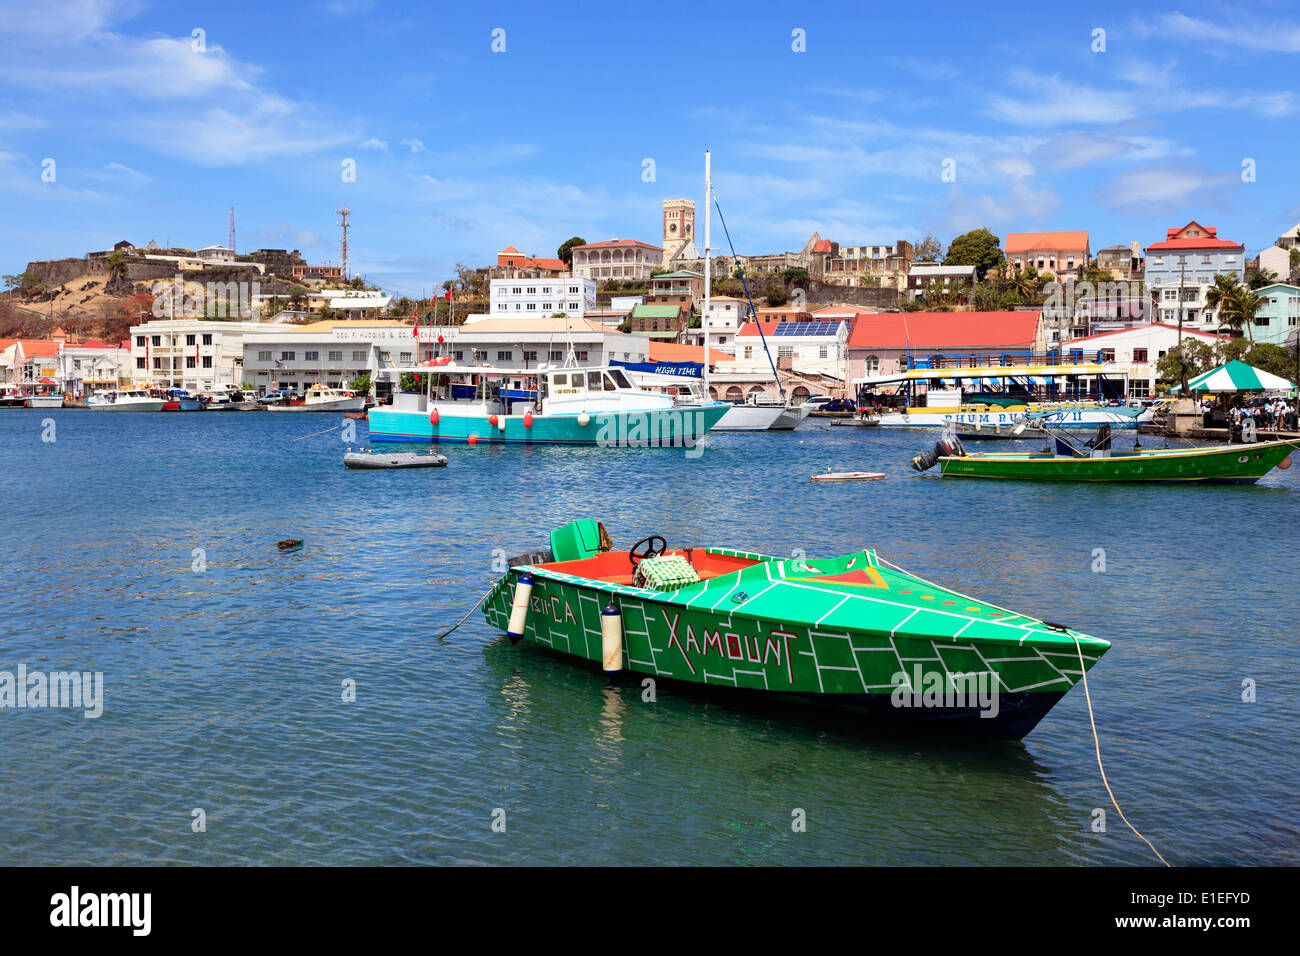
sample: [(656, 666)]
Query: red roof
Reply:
[(35, 348), (608, 243), (1163, 325), (1174, 239), (1031, 241), (945, 330), (822, 245)]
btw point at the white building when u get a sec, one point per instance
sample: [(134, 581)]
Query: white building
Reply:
[(1182, 268), (726, 316), (193, 354), (1136, 351), (535, 298), (518, 343), (621, 259), (812, 347), (333, 352)]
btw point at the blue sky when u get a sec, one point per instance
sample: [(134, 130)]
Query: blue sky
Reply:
[(460, 151)]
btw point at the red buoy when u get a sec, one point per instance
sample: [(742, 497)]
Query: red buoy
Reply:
[(528, 419), (472, 440), (433, 417), (492, 419)]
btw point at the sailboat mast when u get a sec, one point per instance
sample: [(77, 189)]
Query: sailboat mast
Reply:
[(708, 278)]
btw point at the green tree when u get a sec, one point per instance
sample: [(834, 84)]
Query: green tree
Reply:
[(1185, 361), (978, 248), (565, 252), (776, 295), (1257, 278), (796, 276), (1221, 297), (361, 384), (410, 382), (1271, 358)]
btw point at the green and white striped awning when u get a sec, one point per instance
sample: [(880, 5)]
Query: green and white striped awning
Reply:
[(1237, 376)]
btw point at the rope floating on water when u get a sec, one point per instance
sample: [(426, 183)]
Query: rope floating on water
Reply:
[(314, 434), (477, 605)]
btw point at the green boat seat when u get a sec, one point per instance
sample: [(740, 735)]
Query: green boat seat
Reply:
[(665, 573), (576, 540)]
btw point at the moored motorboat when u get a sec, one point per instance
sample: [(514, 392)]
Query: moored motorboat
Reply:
[(323, 398), (44, 400), (1096, 460), (853, 631), (125, 400)]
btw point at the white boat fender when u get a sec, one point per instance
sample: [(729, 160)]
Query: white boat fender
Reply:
[(584, 419), (611, 639), (501, 423), (519, 609)]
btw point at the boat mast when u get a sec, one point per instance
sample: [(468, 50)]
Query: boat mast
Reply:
[(708, 279)]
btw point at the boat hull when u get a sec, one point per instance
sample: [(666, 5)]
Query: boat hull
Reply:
[(1229, 464), (659, 428), (337, 405), (1082, 416), (45, 401), (147, 405), (761, 418), (715, 643)]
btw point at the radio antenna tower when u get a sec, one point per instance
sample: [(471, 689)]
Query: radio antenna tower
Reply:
[(230, 240), (343, 246)]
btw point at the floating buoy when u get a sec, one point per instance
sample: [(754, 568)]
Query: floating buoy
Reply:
[(492, 419), (433, 417), (1285, 463), (528, 423), (584, 419), (611, 639), (519, 609), (472, 440)]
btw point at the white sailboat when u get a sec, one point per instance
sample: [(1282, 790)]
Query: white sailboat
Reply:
[(758, 413)]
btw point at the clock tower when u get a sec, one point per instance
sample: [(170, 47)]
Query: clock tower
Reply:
[(679, 227)]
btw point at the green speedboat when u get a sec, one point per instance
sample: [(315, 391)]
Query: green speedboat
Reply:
[(853, 632), (1222, 464)]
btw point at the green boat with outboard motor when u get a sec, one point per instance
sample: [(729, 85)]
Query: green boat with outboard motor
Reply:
[(852, 632), (1096, 460)]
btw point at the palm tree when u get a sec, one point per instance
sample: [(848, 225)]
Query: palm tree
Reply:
[(1245, 305), (1219, 297)]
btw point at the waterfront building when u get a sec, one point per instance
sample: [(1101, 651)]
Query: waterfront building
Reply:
[(663, 321), (1277, 319), (28, 361), (1134, 351), (726, 315), (811, 346), (620, 259), (194, 354), (534, 298), (1064, 254), (890, 342), (330, 352), (509, 342), (87, 367), (930, 277), (1182, 267)]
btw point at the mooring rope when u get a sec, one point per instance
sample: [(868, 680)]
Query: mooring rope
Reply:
[(477, 605), (314, 434), (1097, 744), (1087, 696)]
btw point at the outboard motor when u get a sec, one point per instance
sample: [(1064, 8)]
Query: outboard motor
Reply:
[(943, 448)]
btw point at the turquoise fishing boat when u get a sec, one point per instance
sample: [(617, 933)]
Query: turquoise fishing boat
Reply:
[(851, 632), (549, 406)]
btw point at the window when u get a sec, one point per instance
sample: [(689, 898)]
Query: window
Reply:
[(505, 355), (1170, 295), (531, 306), (405, 357), (189, 340), (157, 363), (593, 381), (207, 338), (311, 356), (189, 361), (139, 341), (555, 355), (139, 363), (264, 356), (157, 341), (458, 355), (207, 361), (286, 356), (530, 356), (358, 355), (546, 307), (822, 352), (749, 351), (336, 356), (1139, 355), (581, 355), (784, 351), (480, 355), (560, 380), (1105, 355)]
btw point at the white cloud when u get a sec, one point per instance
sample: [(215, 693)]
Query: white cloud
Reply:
[(1052, 101), (1159, 188), (414, 145), (378, 144), (1255, 35)]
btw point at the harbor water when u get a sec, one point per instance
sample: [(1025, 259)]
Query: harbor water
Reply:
[(145, 547)]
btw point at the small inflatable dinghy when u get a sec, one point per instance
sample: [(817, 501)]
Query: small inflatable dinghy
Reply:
[(398, 459), (848, 476)]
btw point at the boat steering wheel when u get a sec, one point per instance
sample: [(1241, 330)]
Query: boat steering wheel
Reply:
[(637, 554)]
